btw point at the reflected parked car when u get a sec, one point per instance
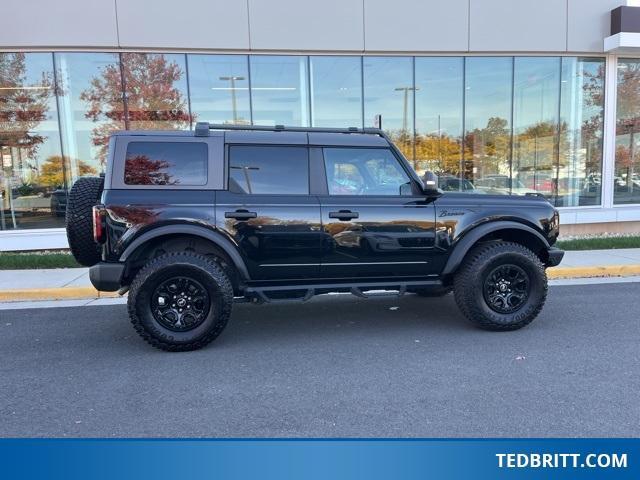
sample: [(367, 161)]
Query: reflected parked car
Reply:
[(502, 185), (540, 182), (449, 183), (59, 203)]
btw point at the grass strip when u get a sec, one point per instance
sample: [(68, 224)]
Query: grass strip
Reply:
[(599, 243), (20, 261)]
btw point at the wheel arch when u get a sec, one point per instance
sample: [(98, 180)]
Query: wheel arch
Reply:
[(217, 242), (499, 230)]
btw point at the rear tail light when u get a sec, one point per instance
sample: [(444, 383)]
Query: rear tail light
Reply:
[(99, 214)]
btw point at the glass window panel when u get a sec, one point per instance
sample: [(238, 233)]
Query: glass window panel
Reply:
[(336, 91), (581, 124), (388, 91), (156, 91), (364, 171), (32, 179), (536, 107), (627, 166), (439, 98), (219, 88), (91, 108), (488, 85), (269, 170), (279, 92), (166, 163)]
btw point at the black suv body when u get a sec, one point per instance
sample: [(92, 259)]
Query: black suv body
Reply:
[(268, 214)]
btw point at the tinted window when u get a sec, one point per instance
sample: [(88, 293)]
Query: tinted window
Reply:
[(364, 171), (166, 163), (263, 169)]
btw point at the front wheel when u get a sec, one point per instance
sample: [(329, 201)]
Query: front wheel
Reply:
[(501, 286), (180, 301)]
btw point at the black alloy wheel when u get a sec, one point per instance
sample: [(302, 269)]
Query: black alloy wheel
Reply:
[(180, 304), (506, 288)]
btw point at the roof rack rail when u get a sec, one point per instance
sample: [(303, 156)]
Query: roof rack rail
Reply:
[(202, 129)]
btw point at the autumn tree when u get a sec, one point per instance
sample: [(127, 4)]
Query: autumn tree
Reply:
[(439, 153), (491, 145), (628, 118), (141, 170), (52, 173), (153, 101), (23, 104), (535, 148), (592, 126)]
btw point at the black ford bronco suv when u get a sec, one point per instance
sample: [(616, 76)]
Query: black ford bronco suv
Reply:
[(189, 222)]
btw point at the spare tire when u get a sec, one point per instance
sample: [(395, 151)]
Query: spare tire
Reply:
[(84, 194)]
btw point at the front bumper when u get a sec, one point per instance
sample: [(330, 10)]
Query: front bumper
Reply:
[(106, 277), (555, 257)]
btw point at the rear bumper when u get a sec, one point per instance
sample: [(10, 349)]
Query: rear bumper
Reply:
[(555, 257), (106, 277)]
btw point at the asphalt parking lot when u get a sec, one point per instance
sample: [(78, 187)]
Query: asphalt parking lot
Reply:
[(333, 367)]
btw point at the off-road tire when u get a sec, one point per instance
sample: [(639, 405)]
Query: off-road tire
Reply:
[(469, 284), (84, 194), (204, 270)]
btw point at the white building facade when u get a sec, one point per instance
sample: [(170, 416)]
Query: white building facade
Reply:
[(496, 96)]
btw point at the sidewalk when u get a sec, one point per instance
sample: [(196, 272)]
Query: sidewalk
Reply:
[(73, 283)]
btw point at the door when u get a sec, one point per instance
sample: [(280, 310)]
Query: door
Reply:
[(269, 213), (375, 224)]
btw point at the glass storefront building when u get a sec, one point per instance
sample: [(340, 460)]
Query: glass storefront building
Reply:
[(486, 123)]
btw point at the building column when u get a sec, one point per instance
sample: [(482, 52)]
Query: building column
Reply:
[(609, 130)]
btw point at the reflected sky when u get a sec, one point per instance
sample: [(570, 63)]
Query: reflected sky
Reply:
[(219, 87), (336, 91)]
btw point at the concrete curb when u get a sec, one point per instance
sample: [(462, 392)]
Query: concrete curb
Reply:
[(63, 293), (68, 293), (593, 271)]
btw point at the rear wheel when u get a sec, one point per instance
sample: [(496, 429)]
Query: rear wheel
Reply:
[(84, 194), (180, 301), (501, 286)]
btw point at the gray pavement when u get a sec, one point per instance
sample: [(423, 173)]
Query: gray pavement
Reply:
[(336, 366)]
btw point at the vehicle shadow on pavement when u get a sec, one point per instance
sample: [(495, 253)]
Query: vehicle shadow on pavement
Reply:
[(343, 316)]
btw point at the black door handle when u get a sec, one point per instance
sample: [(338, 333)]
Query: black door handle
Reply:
[(344, 215), (240, 214)]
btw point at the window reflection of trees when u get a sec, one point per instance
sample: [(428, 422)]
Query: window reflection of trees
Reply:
[(154, 99), (26, 94), (627, 167), (142, 170)]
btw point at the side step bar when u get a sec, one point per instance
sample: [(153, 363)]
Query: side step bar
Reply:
[(303, 293)]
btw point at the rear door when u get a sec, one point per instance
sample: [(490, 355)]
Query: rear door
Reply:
[(375, 224), (268, 211)]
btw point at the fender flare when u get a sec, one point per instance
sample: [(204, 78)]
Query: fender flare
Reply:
[(219, 240), (469, 239)]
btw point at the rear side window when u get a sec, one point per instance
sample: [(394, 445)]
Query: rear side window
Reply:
[(166, 163), (269, 170)]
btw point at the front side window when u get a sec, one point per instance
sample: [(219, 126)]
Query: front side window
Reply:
[(166, 163), (269, 170), (364, 171)]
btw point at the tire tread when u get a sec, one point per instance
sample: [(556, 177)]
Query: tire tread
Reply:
[(466, 284), (206, 263), (79, 220)]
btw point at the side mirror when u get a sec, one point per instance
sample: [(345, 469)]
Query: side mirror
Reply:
[(430, 183)]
